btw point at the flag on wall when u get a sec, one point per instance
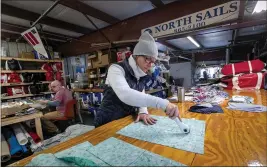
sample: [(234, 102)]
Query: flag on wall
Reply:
[(33, 38)]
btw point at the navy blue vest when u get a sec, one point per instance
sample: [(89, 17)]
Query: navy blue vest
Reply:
[(112, 108)]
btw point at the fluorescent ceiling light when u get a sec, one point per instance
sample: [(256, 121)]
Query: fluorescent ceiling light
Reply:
[(260, 6), (193, 41)]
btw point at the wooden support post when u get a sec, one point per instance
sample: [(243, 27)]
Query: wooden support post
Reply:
[(193, 69), (38, 126)]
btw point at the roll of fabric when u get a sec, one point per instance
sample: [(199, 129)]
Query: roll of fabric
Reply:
[(22, 139), (25, 132), (35, 137), (32, 134), (5, 154), (24, 148), (34, 147), (14, 147)]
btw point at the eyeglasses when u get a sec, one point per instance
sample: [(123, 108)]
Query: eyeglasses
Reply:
[(149, 59), (54, 86)]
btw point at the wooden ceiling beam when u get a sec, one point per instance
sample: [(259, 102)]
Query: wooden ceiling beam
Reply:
[(31, 16), (20, 29), (88, 10)]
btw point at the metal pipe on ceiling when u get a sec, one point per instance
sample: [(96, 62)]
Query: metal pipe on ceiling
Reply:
[(96, 28), (46, 12), (179, 56)]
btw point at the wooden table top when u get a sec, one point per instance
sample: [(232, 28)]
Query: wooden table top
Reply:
[(234, 138)]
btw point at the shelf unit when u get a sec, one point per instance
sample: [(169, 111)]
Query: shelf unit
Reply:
[(29, 71), (23, 71), (23, 84), (25, 95), (29, 60), (98, 77), (88, 90)]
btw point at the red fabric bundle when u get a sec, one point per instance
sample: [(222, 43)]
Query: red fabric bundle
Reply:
[(58, 76), (57, 66), (17, 90), (245, 81), (49, 76), (35, 137), (47, 67), (14, 78), (243, 67)]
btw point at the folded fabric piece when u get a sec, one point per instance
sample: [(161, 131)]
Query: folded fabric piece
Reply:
[(247, 107), (204, 109), (77, 155), (22, 139), (5, 154), (48, 160), (119, 153), (80, 155), (15, 148), (71, 132), (242, 99), (111, 152)]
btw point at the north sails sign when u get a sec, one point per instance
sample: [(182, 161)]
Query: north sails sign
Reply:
[(217, 14)]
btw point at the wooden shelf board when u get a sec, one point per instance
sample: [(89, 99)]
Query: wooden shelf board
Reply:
[(88, 90), (25, 95), (17, 119), (23, 71), (29, 60), (22, 84)]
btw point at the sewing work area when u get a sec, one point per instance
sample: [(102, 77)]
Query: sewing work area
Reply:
[(86, 84)]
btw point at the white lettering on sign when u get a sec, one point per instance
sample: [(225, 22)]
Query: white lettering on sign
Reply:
[(217, 14)]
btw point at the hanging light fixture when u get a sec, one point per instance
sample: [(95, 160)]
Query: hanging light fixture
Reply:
[(260, 6), (193, 41)]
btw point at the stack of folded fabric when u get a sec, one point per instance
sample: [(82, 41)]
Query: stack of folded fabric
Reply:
[(209, 94), (241, 99), (247, 107), (206, 108), (244, 103)]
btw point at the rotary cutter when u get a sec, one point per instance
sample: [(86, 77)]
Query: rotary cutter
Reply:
[(183, 127)]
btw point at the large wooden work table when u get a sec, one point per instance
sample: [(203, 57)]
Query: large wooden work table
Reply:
[(234, 138)]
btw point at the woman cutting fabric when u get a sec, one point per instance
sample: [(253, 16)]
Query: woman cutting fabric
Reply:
[(124, 93)]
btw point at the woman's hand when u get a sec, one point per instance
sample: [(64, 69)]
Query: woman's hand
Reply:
[(146, 118), (172, 111)]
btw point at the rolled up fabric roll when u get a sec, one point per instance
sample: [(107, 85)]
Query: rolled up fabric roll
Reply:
[(35, 137), (5, 154), (24, 148), (34, 147), (25, 133), (14, 147), (22, 139)]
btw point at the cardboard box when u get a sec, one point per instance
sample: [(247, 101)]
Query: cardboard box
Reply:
[(28, 55), (12, 110), (100, 61), (89, 64)]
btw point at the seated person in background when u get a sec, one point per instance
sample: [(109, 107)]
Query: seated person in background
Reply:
[(60, 100)]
